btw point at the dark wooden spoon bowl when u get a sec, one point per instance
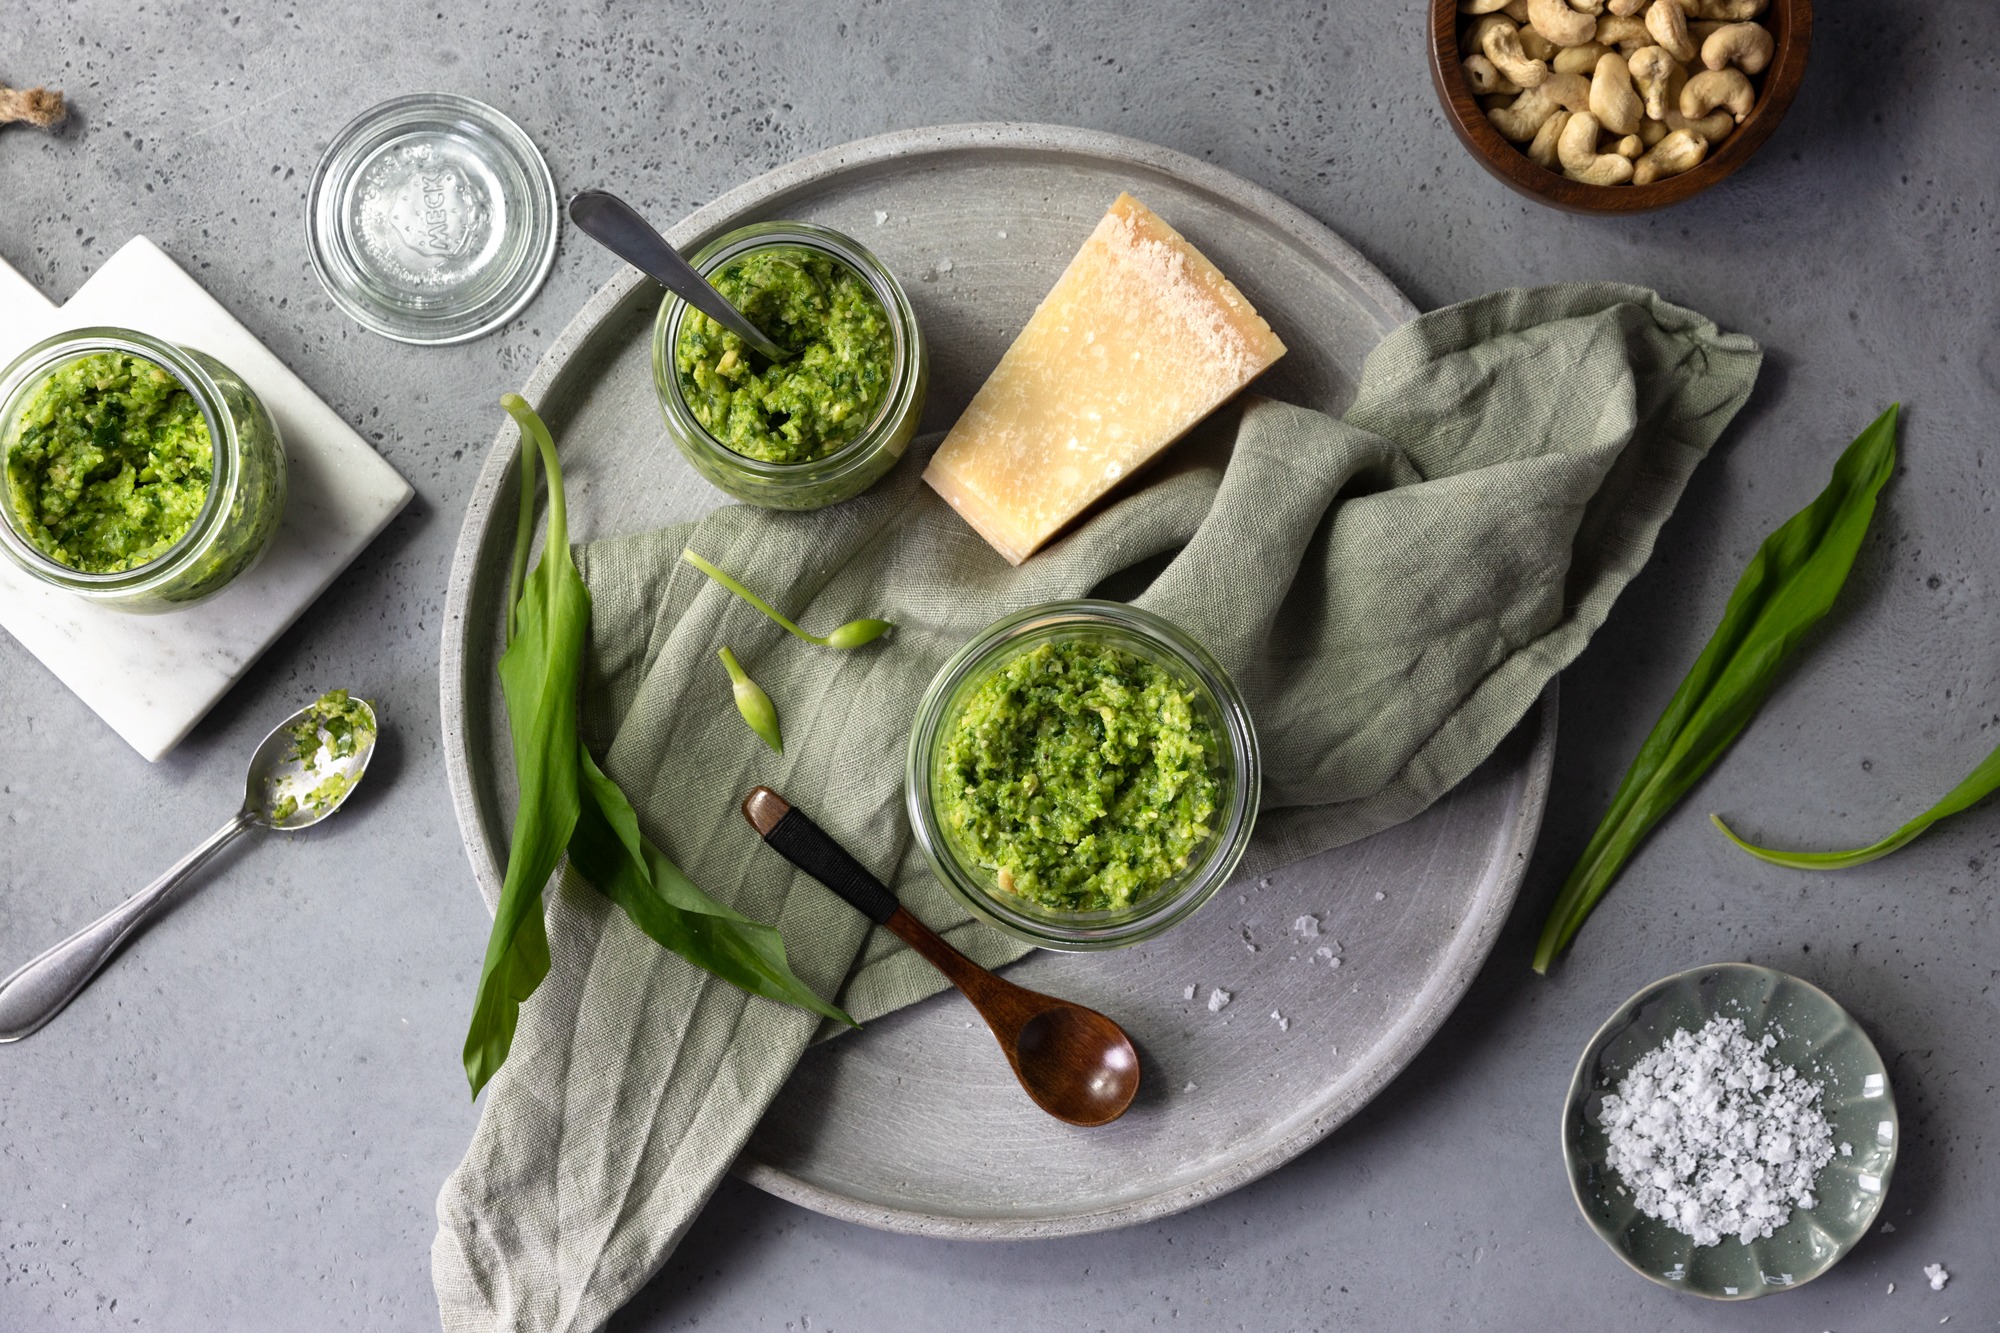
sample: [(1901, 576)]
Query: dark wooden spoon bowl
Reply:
[(1075, 1063), (1790, 22)]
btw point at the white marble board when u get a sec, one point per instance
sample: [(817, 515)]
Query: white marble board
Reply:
[(151, 678)]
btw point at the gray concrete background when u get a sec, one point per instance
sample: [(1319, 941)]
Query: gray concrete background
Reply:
[(244, 1123)]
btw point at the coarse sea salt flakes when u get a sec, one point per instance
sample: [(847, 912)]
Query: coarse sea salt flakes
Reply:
[(1187, 993), (1937, 1276), (1284, 1024), (1306, 927), (1713, 1138), (1216, 999), (881, 216)]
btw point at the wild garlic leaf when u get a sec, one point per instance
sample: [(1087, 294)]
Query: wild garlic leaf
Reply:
[(609, 851), (540, 673), (1977, 786), (1788, 586)]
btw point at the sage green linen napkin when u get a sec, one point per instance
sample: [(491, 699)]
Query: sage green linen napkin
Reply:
[(1391, 591)]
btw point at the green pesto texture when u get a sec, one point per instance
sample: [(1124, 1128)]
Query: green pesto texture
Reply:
[(1081, 776), (805, 408), (108, 463), (345, 722)]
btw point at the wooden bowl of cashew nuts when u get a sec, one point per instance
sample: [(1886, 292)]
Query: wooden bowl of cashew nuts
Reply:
[(1616, 106)]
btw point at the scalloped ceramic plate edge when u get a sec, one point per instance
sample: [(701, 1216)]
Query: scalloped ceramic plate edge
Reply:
[(1874, 1149)]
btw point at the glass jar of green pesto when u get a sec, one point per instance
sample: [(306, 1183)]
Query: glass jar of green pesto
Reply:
[(821, 427), (1083, 775), (138, 474)]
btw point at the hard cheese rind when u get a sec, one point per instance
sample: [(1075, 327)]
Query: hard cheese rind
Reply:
[(1139, 340)]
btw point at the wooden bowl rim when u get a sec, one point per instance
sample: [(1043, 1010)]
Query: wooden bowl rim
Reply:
[(1507, 162)]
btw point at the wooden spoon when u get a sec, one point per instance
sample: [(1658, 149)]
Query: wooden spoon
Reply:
[(1077, 1064)]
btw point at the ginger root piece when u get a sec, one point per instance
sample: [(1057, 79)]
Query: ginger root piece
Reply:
[(37, 106)]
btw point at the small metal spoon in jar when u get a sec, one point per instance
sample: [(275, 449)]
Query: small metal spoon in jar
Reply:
[(285, 790), (617, 226)]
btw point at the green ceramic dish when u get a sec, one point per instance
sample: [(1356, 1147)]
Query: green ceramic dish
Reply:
[(1816, 1036)]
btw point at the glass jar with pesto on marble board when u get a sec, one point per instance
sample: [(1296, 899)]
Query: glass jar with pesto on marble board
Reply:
[(139, 474), (816, 429), (1083, 775)]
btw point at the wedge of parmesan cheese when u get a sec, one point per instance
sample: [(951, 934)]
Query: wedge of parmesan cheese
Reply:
[(1139, 340)]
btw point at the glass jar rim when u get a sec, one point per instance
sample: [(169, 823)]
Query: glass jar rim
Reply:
[(895, 302), (1158, 911), (486, 304), (34, 366)]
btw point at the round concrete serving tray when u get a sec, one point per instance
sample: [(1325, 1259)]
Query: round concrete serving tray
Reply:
[(915, 1124)]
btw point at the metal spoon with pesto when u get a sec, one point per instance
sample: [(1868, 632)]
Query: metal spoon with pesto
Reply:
[(617, 226), (303, 772)]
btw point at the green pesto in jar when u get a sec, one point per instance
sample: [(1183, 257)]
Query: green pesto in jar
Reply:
[(108, 463), (1081, 776), (798, 410)]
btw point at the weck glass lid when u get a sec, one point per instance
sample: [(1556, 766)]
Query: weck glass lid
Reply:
[(431, 219)]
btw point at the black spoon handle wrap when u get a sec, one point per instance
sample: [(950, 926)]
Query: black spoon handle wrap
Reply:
[(810, 848)]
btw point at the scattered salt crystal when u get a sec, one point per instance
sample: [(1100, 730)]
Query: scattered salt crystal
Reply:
[(1379, 895), (1888, 1227), (1713, 1138), (881, 216), (1188, 993), (1306, 926), (1892, 1289), (1188, 1088), (1216, 999), (1003, 233), (1846, 1149), (1334, 962), (1937, 1275), (944, 266), (1284, 1024), (1264, 883), (1324, 951), (1242, 898)]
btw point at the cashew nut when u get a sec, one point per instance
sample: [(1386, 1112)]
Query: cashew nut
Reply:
[(1712, 88), (1536, 46), (1516, 10), (1651, 131), (1577, 59), (1629, 147), (1627, 34), (1576, 149), (1555, 20), (1626, 8), (1501, 41), (1700, 30), (1612, 99), (1485, 77), (1542, 152), (1569, 91), (1672, 155), (1714, 127), (1748, 46), (1668, 23), (1590, 7), (1732, 11), (1519, 120), (1650, 66), (1480, 6)]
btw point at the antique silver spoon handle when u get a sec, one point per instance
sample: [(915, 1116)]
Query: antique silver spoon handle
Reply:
[(41, 987), (617, 226)]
